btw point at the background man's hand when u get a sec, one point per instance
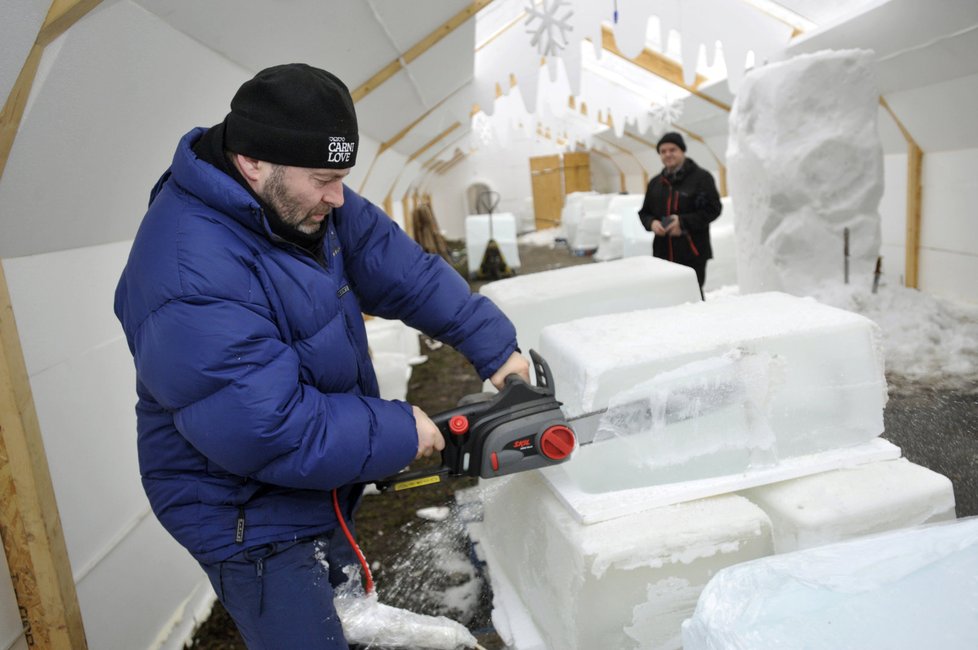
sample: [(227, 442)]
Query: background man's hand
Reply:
[(516, 364), (674, 229), (429, 437), (657, 228)]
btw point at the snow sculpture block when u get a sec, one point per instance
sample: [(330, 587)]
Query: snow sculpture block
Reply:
[(394, 348), (906, 589), (539, 299), (621, 208), (624, 583), (477, 237), (587, 235), (636, 240), (838, 505), (805, 162), (572, 213), (714, 388)]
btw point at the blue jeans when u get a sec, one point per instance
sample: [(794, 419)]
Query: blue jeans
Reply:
[(281, 596)]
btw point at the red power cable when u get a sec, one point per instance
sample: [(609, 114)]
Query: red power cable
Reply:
[(349, 537)]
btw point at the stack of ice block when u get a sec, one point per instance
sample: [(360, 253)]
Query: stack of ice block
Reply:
[(539, 299), (908, 589), (477, 235), (624, 583), (768, 399)]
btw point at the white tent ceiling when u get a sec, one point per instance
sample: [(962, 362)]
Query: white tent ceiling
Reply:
[(429, 49)]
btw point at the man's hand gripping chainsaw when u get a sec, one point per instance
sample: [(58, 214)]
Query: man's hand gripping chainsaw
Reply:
[(519, 428)]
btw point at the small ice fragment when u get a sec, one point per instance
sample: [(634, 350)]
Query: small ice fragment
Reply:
[(435, 513)]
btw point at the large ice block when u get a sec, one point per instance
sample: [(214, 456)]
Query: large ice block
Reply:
[(477, 235), (805, 165), (572, 213), (624, 583), (717, 387), (907, 589), (539, 299), (837, 505), (620, 208), (587, 235), (394, 349)]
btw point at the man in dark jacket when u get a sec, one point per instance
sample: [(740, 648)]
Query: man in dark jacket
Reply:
[(259, 418), (679, 205)]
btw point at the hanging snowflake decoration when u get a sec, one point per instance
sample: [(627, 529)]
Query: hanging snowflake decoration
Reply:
[(482, 127), (550, 33), (664, 114)]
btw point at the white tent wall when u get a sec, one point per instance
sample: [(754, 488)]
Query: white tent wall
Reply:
[(21, 23)]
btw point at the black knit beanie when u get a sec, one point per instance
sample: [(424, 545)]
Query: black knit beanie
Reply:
[(674, 138), (294, 115)]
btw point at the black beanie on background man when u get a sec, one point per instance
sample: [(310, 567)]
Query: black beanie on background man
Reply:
[(674, 138), (294, 115)]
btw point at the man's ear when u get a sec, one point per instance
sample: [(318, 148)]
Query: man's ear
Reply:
[(250, 168)]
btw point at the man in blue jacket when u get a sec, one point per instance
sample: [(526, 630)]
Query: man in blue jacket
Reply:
[(242, 303)]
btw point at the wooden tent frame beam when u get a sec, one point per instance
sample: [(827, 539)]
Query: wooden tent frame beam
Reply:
[(33, 539), (915, 169)]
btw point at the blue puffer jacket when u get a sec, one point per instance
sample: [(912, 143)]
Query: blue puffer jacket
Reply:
[(256, 394)]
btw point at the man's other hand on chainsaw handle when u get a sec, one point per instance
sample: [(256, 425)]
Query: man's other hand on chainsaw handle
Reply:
[(516, 364), (429, 437)]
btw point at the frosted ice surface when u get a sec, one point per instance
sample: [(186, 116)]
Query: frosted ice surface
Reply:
[(833, 506), (539, 299), (762, 377), (908, 589), (477, 237), (597, 586), (805, 162)]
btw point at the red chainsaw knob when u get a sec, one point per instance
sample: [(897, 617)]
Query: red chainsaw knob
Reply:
[(458, 425), (557, 442)]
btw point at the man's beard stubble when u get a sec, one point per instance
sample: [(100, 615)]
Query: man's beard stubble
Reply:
[(277, 195)]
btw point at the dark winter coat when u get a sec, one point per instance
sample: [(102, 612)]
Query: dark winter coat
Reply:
[(256, 394), (692, 194)]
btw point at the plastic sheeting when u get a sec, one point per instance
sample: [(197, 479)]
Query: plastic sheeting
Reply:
[(369, 622), (915, 588)]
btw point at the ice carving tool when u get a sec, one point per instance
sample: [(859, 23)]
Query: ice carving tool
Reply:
[(521, 427)]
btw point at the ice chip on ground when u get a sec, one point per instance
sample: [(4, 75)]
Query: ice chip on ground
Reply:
[(539, 299), (805, 163), (369, 622), (833, 506), (434, 513), (911, 589), (607, 584)]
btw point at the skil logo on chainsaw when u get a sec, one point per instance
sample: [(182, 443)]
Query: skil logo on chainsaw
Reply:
[(521, 444), (340, 150)]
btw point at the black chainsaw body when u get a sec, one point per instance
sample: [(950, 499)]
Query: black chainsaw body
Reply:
[(520, 428)]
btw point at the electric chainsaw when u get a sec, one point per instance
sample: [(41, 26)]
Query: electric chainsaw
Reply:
[(519, 428)]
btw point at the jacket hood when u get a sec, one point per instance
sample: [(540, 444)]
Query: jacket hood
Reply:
[(210, 185)]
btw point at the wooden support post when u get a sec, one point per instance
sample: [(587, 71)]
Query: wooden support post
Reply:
[(915, 163), (29, 521), (915, 166)]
